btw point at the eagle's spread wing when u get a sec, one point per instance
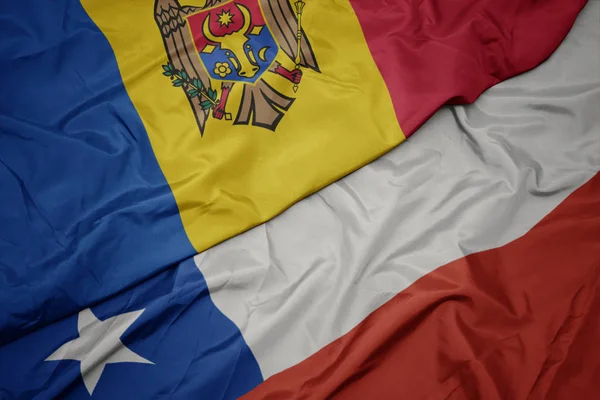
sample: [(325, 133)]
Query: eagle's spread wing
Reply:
[(170, 18), (282, 20)]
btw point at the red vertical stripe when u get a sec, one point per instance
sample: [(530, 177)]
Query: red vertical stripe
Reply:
[(432, 52), (520, 321)]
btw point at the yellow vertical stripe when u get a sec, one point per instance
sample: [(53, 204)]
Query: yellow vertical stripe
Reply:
[(236, 177)]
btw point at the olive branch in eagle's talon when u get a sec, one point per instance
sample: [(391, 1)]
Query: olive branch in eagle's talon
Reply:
[(179, 78)]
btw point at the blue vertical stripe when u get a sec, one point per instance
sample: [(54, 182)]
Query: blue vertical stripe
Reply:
[(85, 210), (87, 219)]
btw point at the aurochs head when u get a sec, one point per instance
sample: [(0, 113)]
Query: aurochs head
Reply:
[(236, 46)]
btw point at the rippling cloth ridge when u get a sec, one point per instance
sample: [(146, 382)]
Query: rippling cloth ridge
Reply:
[(110, 185)]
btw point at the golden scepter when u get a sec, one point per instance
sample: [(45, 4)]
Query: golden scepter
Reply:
[(299, 8)]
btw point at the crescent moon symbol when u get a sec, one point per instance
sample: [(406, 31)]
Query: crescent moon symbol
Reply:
[(262, 52)]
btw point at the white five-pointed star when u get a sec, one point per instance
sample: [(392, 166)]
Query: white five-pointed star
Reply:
[(99, 343)]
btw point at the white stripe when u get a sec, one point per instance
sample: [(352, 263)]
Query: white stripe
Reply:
[(474, 178)]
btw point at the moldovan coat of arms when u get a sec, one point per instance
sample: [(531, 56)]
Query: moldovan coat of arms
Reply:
[(235, 42)]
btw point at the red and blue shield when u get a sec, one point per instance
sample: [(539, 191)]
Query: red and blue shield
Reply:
[(234, 41)]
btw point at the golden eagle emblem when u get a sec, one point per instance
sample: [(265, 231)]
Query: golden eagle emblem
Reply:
[(234, 42)]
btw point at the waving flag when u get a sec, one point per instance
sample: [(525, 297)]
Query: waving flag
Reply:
[(136, 134)]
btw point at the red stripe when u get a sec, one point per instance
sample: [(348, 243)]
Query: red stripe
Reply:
[(432, 52), (520, 321)]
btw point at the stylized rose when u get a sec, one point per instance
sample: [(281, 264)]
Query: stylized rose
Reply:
[(222, 69)]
